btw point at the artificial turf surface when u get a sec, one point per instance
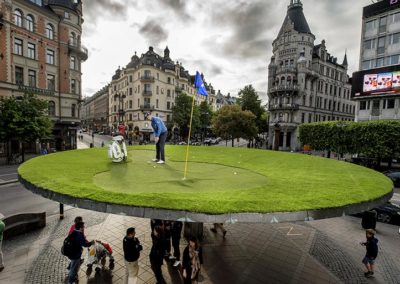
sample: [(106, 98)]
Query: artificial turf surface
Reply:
[(219, 179)]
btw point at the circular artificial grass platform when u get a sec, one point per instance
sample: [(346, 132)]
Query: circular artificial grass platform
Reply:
[(222, 184)]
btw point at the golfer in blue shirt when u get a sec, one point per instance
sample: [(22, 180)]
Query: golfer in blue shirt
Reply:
[(160, 135)]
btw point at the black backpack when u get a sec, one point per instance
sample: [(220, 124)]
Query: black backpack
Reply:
[(69, 247)]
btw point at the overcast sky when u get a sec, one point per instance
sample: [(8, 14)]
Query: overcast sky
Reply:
[(229, 41)]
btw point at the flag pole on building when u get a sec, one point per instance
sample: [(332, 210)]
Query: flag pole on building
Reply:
[(201, 90)]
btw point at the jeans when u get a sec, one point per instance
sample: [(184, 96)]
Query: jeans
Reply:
[(73, 271), (1, 255), (131, 272), (160, 154)]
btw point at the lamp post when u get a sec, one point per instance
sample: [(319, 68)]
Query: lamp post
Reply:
[(121, 112)]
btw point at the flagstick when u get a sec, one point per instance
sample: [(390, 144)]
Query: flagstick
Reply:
[(188, 144)]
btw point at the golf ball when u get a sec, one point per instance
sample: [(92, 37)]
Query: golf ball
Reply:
[(154, 166), (235, 173)]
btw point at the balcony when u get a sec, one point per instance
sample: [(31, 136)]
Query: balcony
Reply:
[(291, 107), (76, 47), (147, 79), (147, 107), (286, 69), (285, 88), (147, 93)]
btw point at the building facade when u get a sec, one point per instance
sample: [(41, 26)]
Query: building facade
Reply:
[(41, 53), (305, 83), (95, 112), (376, 87), (149, 83)]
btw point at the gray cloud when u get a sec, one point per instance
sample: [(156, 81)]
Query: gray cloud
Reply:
[(153, 32), (178, 7)]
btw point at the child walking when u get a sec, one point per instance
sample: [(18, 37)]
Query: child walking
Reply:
[(372, 252)]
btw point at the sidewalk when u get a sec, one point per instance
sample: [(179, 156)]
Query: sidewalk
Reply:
[(326, 251)]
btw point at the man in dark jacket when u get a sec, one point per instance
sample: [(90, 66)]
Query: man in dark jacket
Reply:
[(132, 248), (372, 252), (176, 237), (79, 241), (157, 254)]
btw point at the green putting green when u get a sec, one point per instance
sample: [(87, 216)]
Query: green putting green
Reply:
[(219, 179)]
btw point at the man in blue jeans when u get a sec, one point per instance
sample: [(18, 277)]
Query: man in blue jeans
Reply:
[(79, 241), (160, 135)]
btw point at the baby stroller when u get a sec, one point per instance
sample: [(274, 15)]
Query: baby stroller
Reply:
[(97, 254)]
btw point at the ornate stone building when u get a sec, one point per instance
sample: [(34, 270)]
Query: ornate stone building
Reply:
[(305, 82), (95, 112), (41, 53), (149, 83)]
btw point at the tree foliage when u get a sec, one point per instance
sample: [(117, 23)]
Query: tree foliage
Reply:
[(232, 122), (181, 114), (375, 139), (248, 100), (206, 115), (24, 118)]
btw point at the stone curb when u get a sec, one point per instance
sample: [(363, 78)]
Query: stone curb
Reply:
[(187, 216), (8, 182)]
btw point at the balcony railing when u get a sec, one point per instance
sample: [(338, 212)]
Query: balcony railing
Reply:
[(78, 48), (147, 93), (286, 69), (147, 78), (290, 87), (283, 107), (147, 107)]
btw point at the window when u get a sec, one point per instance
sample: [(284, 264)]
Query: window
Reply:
[(394, 59), (394, 38), (66, 15), (30, 23), (18, 46), (31, 78), (51, 80), (370, 44), (390, 103), (50, 57), (49, 31), (168, 105), (395, 17), (52, 108), (382, 24), (130, 104), (302, 117), (72, 39), (156, 103), (31, 50), (73, 86), (130, 91), (19, 75), (157, 90), (73, 110), (72, 63), (168, 93), (381, 45), (379, 62), (130, 79), (18, 18), (169, 80)]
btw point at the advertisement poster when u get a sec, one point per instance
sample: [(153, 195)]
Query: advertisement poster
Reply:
[(384, 81), (396, 79), (370, 82)]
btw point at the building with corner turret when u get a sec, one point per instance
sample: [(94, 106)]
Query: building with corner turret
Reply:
[(41, 53), (150, 83), (305, 82)]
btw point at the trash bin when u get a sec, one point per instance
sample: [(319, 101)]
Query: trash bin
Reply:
[(369, 219)]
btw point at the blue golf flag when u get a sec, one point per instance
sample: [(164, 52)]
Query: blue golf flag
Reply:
[(199, 85)]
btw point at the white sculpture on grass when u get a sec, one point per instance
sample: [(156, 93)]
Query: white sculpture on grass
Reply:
[(117, 149)]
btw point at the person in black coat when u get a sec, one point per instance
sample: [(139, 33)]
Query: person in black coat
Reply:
[(192, 260), (176, 237), (157, 254)]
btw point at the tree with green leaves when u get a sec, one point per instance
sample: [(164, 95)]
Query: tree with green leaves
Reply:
[(181, 115), (248, 100), (206, 115), (23, 119), (232, 122)]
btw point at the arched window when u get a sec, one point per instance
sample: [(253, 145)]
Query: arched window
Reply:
[(18, 18), (49, 31), (52, 108), (30, 21)]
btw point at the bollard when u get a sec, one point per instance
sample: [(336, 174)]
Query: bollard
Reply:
[(61, 211)]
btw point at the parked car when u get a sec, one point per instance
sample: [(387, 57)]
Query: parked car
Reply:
[(182, 143), (207, 141), (394, 176), (387, 213)]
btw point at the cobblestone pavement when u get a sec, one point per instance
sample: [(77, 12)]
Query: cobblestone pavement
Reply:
[(325, 251)]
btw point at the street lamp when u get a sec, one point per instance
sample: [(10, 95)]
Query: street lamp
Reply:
[(121, 112)]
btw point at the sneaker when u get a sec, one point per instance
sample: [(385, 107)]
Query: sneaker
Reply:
[(160, 162), (154, 160), (171, 257), (213, 230), (371, 274), (176, 263)]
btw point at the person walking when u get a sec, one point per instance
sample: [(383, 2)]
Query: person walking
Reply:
[(157, 254), (371, 246), (2, 227), (160, 135), (221, 227), (176, 238), (192, 260), (132, 248), (79, 241), (71, 230)]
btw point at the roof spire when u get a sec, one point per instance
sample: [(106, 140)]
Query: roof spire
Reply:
[(345, 64), (295, 3)]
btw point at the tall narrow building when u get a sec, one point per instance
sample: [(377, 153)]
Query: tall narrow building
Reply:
[(305, 82), (41, 53), (376, 87)]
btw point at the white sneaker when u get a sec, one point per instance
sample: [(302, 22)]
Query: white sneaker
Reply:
[(171, 257), (154, 160), (160, 162), (176, 263)]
